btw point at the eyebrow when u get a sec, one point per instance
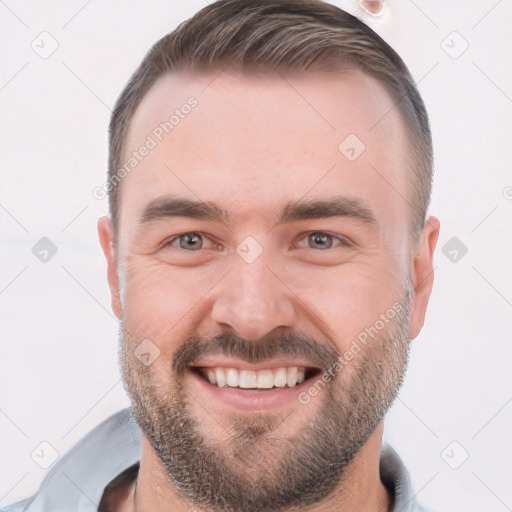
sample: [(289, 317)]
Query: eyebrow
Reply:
[(332, 207), (166, 207)]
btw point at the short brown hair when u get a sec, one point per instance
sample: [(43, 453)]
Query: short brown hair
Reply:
[(289, 35)]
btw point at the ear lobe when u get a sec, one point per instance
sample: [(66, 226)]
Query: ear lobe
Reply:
[(106, 237), (422, 274)]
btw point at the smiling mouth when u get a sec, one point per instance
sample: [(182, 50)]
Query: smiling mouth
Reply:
[(264, 379)]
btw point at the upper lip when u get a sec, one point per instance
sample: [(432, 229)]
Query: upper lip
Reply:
[(240, 364)]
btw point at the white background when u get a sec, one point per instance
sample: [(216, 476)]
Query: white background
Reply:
[(59, 376)]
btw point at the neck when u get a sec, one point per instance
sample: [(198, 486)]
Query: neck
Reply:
[(360, 489)]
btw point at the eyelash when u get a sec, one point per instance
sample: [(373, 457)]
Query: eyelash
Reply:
[(343, 241)]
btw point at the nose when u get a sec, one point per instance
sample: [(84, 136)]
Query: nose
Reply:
[(253, 301)]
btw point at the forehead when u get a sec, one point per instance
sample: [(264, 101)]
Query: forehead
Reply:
[(252, 142)]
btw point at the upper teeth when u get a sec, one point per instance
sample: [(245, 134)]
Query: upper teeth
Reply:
[(260, 379)]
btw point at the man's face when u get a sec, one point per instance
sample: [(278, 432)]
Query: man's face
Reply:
[(302, 250)]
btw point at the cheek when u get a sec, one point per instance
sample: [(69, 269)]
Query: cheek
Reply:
[(159, 301), (349, 299)]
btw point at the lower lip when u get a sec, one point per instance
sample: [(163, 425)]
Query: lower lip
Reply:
[(253, 400)]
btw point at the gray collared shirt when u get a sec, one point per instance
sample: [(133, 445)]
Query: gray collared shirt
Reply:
[(75, 483)]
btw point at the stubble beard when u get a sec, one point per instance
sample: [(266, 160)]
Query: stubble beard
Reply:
[(258, 467)]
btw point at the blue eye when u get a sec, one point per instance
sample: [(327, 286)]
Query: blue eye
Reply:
[(320, 240), (323, 241), (187, 241), (193, 241)]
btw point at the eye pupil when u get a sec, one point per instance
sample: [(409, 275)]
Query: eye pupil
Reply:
[(191, 241), (320, 240)]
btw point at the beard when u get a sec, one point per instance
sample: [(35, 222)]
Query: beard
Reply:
[(257, 466)]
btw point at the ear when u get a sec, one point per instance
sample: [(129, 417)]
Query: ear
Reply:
[(422, 274), (106, 236)]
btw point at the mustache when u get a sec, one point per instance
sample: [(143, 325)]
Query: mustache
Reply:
[(295, 345)]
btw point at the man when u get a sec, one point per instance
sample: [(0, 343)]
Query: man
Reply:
[(269, 261)]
